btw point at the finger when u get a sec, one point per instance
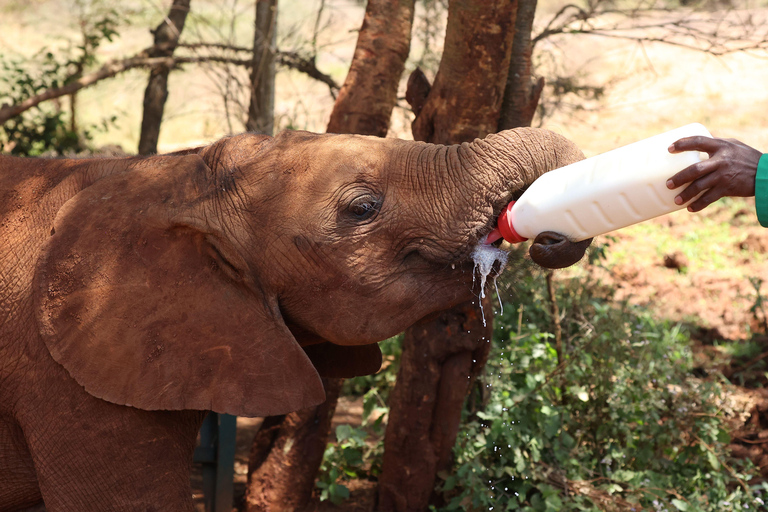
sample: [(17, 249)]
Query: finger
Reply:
[(696, 187), (696, 143), (705, 200), (692, 172)]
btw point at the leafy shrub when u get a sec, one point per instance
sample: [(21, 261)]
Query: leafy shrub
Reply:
[(358, 452), (342, 461), (42, 128), (619, 424), (46, 128)]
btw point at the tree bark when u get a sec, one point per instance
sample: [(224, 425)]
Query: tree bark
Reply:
[(280, 480), (522, 93), (441, 356), (440, 360), (166, 38), (261, 109), (286, 454), (369, 93), (465, 99)]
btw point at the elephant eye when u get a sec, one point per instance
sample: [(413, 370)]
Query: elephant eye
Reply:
[(364, 207)]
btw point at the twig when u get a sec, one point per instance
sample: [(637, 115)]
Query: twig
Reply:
[(555, 317), (316, 29), (711, 33), (726, 466), (732, 371)]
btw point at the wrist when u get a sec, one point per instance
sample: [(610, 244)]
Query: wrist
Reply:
[(761, 191)]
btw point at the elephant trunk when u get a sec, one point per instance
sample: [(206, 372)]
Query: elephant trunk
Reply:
[(493, 169), (509, 161)]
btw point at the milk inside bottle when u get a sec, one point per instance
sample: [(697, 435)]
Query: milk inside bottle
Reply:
[(602, 193)]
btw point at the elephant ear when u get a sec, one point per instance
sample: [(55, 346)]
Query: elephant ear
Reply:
[(135, 301)]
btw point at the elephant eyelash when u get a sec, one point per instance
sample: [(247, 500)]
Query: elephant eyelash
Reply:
[(364, 208)]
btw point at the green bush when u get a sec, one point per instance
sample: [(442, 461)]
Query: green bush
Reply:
[(358, 452), (45, 128), (619, 423), (610, 418)]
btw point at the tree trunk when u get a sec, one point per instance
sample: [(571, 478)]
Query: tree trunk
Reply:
[(440, 360), (166, 38), (521, 96), (369, 93), (286, 453), (465, 99), (261, 116), (441, 356), (280, 480)]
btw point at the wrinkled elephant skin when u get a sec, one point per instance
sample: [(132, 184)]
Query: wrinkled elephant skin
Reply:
[(137, 293)]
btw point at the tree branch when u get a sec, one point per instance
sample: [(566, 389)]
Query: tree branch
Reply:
[(113, 68), (733, 32), (108, 70)]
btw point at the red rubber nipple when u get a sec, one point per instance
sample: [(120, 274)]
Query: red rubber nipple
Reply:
[(505, 229)]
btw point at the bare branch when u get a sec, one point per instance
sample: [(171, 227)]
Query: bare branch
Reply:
[(307, 66), (108, 70), (714, 33), (316, 29), (291, 60), (113, 68), (215, 46)]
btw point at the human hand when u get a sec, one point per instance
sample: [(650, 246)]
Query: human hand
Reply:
[(729, 171)]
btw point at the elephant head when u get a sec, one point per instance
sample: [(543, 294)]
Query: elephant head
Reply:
[(227, 278)]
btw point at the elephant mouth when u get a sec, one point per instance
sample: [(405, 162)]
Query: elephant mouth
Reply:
[(548, 249)]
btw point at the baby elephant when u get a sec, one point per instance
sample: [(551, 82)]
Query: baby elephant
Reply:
[(138, 293)]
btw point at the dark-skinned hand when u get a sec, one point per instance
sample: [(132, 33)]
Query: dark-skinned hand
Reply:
[(729, 171)]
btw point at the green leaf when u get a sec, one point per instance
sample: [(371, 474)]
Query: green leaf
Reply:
[(680, 505), (580, 392), (338, 493), (713, 460), (343, 432), (353, 456), (624, 475), (553, 503)]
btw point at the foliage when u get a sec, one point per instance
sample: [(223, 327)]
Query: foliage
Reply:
[(353, 456), (358, 452), (341, 461), (619, 424), (46, 128)]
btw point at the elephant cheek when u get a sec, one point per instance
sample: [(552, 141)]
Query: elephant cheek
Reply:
[(552, 250)]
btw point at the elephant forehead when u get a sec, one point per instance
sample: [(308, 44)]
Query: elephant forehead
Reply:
[(343, 152)]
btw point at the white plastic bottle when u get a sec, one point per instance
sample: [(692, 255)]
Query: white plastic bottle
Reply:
[(602, 193)]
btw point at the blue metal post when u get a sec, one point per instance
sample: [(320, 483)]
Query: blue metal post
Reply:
[(217, 455)]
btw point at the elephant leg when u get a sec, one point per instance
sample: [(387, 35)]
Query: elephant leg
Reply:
[(18, 485), (91, 455)]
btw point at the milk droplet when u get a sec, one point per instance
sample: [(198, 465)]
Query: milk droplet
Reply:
[(485, 257)]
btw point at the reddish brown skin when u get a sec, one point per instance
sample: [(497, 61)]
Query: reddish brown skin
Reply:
[(138, 293)]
